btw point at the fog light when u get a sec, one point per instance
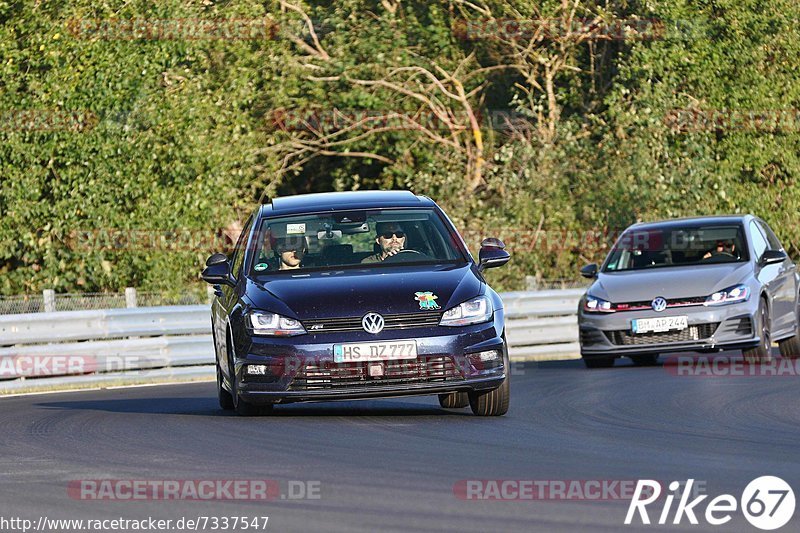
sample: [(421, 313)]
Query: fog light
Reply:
[(489, 355), (256, 370), (486, 362)]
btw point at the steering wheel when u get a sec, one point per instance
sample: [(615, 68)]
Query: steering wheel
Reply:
[(716, 255), (396, 257)]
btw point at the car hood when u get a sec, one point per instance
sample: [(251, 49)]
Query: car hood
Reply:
[(668, 282), (355, 292)]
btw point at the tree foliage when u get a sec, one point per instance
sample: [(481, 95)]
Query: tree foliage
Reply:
[(553, 136)]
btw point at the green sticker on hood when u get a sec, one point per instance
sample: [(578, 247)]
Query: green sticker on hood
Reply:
[(427, 300)]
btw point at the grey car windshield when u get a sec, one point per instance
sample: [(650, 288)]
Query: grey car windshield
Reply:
[(677, 246), (353, 239)]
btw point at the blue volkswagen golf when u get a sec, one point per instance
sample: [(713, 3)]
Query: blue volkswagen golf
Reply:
[(352, 295)]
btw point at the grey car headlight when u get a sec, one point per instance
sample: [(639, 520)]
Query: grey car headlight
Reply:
[(472, 311), (597, 305), (731, 295), (264, 323)]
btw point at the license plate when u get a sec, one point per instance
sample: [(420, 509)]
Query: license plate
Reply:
[(660, 324), (374, 351)]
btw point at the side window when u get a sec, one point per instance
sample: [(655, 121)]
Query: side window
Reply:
[(772, 239), (759, 242), (239, 251)]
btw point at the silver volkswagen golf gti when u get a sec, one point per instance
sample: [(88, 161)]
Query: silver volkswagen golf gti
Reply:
[(695, 284)]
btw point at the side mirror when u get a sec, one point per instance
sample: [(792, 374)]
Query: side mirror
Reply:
[(493, 254), (216, 259), (218, 270), (771, 257), (589, 271)]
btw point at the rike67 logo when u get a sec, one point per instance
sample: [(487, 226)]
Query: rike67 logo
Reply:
[(767, 503)]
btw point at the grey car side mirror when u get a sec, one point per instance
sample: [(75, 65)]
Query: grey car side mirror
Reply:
[(770, 257)]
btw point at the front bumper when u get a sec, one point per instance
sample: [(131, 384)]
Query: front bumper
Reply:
[(303, 369), (710, 328)]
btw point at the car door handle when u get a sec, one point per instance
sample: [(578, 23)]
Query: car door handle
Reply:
[(217, 291)]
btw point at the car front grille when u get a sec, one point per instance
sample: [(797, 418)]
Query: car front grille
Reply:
[(395, 321), (692, 333), (590, 336), (741, 326), (676, 302), (327, 375)]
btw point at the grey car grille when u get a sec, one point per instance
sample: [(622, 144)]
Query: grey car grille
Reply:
[(692, 333), (422, 319), (675, 302)]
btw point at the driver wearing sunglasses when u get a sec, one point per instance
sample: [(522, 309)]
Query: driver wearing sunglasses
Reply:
[(390, 239)]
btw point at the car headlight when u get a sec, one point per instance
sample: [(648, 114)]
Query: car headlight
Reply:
[(274, 324), (472, 311), (735, 294), (597, 305)]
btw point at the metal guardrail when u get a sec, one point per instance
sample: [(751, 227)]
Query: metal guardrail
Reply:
[(542, 324), (539, 325)]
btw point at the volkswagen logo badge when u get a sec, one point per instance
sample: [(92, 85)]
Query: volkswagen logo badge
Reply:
[(658, 304), (372, 323)]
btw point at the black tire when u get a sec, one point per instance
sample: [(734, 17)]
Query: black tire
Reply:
[(599, 362), (790, 348), (241, 406), (454, 400), (645, 360), (225, 398), (762, 352), (491, 403), (494, 402)]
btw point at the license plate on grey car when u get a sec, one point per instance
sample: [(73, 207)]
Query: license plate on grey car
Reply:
[(660, 324)]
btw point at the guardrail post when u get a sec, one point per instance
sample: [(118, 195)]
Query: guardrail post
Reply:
[(130, 297), (49, 300)]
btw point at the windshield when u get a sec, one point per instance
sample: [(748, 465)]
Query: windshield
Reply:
[(677, 246), (365, 238)]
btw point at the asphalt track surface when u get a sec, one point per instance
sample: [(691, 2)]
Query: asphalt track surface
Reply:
[(391, 465)]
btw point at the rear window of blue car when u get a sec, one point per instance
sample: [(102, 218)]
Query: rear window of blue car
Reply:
[(351, 239), (677, 246)]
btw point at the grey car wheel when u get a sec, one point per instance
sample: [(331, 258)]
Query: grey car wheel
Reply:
[(762, 352), (790, 348)]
